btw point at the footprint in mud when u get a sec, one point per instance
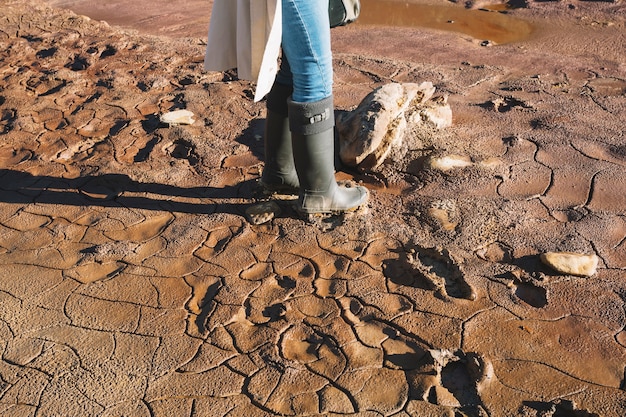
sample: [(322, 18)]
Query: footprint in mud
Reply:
[(445, 214), (46, 53), (11, 157), (143, 154), (266, 303), (78, 63), (201, 303), (432, 269), (532, 295), (505, 104), (525, 287), (7, 120), (559, 408), (454, 379), (109, 50), (458, 381), (183, 149)]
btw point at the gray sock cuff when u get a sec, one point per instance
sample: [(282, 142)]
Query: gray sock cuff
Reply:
[(311, 118)]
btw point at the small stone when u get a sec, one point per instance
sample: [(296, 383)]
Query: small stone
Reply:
[(263, 212), (178, 117), (448, 162), (571, 263)]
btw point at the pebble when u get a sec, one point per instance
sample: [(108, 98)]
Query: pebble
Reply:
[(178, 117), (570, 263), (263, 212), (448, 162)]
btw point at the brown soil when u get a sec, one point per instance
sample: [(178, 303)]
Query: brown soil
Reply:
[(131, 282)]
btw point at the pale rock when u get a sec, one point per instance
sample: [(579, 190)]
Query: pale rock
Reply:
[(436, 113), (178, 117), (377, 125), (571, 263), (263, 212), (448, 162)]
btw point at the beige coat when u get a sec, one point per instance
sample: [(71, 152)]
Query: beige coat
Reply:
[(246, 34)]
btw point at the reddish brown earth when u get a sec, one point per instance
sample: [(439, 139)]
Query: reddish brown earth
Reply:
[(132, 284)]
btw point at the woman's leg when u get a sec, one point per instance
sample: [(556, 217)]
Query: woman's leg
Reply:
[(306, 45), (279, 172)]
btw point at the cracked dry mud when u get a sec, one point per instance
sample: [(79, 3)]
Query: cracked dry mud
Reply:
[(132, 283)]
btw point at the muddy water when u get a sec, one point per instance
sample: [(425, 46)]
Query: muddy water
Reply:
[(191, 17), (480, 24)]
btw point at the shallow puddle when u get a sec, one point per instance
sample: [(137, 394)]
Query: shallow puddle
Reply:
[(496, 27)]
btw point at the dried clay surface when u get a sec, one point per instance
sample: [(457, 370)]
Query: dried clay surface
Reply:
[(132, 282)]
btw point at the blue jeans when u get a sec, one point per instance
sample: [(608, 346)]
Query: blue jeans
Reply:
[(307, 61)]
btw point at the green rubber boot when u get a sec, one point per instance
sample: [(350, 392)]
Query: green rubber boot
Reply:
[(279, 174), (312, 135)]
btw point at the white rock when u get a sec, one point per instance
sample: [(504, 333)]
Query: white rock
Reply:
[(368, 133), (436, 113), (448, 162), (571, 263), (178, 117)]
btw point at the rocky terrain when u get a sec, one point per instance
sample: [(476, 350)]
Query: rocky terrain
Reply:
[(132, 281)]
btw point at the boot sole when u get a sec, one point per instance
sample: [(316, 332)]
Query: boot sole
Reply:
[(278, 192), (329, 213)]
